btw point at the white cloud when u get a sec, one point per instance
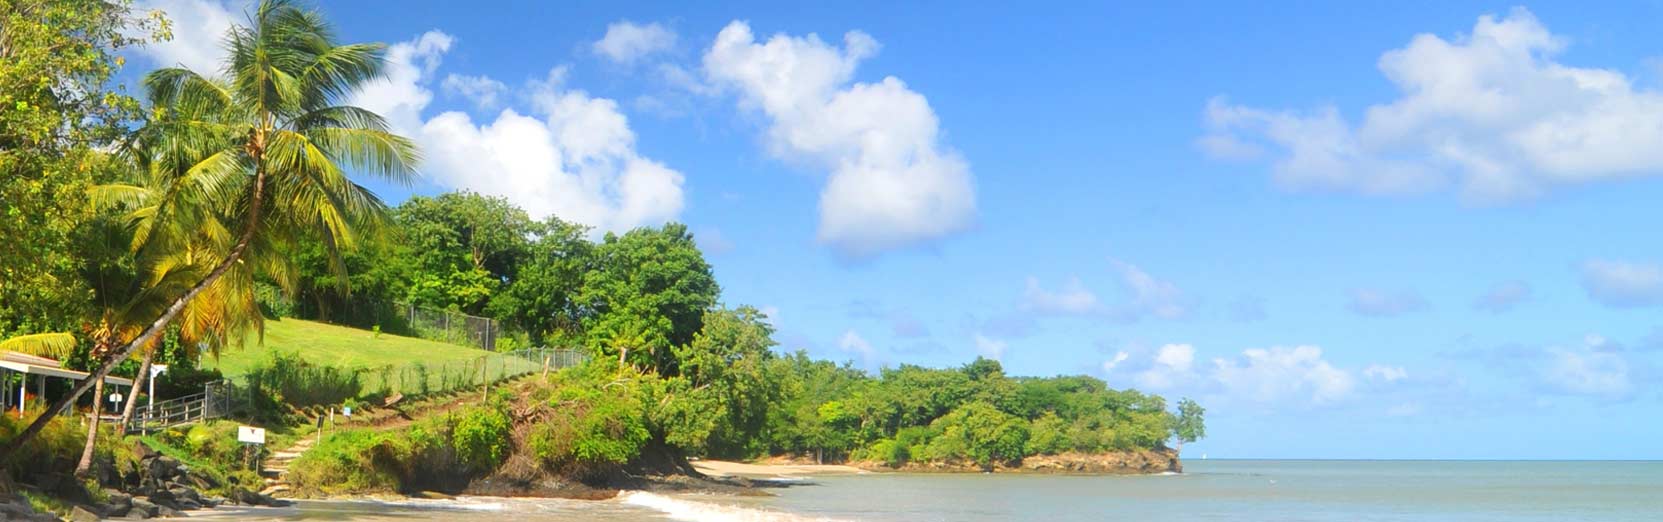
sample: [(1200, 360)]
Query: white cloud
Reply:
[(198, 29), (1380, 303), (1502, 297), (1173, 364), (1383, 373), (990, 347), (1491, 112), (853, 343), (1623, 284), (1119, 357), (892, 182), (1145, 296), (1150, 296), (484, 92), (572, 155), (1279, 373), (625, 41), (1072, 298), (1262, 377), (1587, 370)]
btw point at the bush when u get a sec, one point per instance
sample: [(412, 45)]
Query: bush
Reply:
[(591, 427), (979, 433), (286, 379), (481, 437), (351, 462)]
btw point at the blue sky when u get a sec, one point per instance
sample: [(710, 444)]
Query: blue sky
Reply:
[(1390, 230)]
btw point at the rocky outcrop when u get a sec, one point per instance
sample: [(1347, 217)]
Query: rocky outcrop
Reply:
[(1134, 462), (1139, 462)]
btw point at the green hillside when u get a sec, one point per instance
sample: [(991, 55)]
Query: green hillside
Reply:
[(331, 345)]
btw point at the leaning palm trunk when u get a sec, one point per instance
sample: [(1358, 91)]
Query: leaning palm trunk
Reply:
[(92, 430), (150, 333), (133, 394)]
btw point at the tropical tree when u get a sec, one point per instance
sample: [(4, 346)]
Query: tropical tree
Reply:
[(1189, 426), (269, 141)]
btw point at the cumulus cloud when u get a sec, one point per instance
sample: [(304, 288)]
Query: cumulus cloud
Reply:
[(1296, 376), (1503, 297), (892, 181), (1277, 373), (198, 29), (568, 154), (1384, 373), (1492, 112), (1623, 284), (990, 348), (1586, 369), (852, 343), (1380, 303), (625, 41), (483, 91), (1145, 295)]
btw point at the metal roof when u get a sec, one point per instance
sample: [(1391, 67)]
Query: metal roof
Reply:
[(29, 364)]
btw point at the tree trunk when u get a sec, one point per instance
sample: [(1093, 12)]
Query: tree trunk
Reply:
[(92, 429), (155, 329), (133, 394)]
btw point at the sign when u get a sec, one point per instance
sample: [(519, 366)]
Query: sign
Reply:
[(346, 410), (115, 398), (251, 435), (157, 369)]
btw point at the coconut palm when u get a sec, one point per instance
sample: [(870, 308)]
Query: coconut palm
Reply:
[(270, 141)]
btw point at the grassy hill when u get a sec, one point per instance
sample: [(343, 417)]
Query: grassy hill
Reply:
[(327, 344)]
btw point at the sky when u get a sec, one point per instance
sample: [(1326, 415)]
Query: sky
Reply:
[(1350, 230)]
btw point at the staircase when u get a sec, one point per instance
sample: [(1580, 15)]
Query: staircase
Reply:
[(275, 469)]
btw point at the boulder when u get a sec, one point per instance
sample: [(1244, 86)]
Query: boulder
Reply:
[(144, 508), (82, 514), (166, 512)]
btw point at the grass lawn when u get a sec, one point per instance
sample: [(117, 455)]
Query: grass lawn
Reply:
[(331, 345), (388, 362)]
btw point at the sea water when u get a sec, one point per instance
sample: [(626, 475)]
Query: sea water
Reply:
[(1212, 490)]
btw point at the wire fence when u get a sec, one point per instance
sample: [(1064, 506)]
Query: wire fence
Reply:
[(450, 326), (420, 378)]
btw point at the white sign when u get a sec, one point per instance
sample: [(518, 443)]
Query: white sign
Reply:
[(157, 369), (251, 435), (115, 398), (346, 410)]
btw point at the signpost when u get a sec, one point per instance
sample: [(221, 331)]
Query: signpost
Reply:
[(150, 396), (250, 437)]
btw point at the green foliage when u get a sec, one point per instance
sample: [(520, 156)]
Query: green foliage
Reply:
[(979, 433), (57, 114), (284, 378), (543, 299), (595, 422), (481, 437), (1189, 426), (649, 291)]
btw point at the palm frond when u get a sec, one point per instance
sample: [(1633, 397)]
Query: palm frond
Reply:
[(56, 345)]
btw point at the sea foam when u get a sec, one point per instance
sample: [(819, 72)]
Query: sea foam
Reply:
[(691, 511)]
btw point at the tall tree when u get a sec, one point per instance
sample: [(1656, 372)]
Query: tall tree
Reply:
[(269, 139), (650, 288), (542, 298), (57, 110), (1189, 426), (465, 247)]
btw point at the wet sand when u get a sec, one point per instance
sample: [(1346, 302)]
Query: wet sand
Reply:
[(722, 468)]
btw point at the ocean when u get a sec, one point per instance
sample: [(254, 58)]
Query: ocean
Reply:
[(1211, 490)]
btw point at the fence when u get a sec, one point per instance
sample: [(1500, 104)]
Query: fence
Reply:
[(214, 402), (452, 327), (422, 378)]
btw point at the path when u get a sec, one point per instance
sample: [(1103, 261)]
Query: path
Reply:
[(275, 469)]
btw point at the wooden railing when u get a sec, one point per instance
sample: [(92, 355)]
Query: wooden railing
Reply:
[(214, 402)]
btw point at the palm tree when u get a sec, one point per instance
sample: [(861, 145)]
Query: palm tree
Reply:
[(268, 141)]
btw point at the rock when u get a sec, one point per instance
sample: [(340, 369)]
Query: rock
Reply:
[(144, 507), (143, 451), (82, 514), (166, 512), (117, 498), (184, 493), (135, 515), (186, 504), (114, 511)]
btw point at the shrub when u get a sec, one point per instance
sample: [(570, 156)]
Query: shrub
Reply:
[(285, 378), (351, 462), (481, 437), (980, 433), (590, 427)]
